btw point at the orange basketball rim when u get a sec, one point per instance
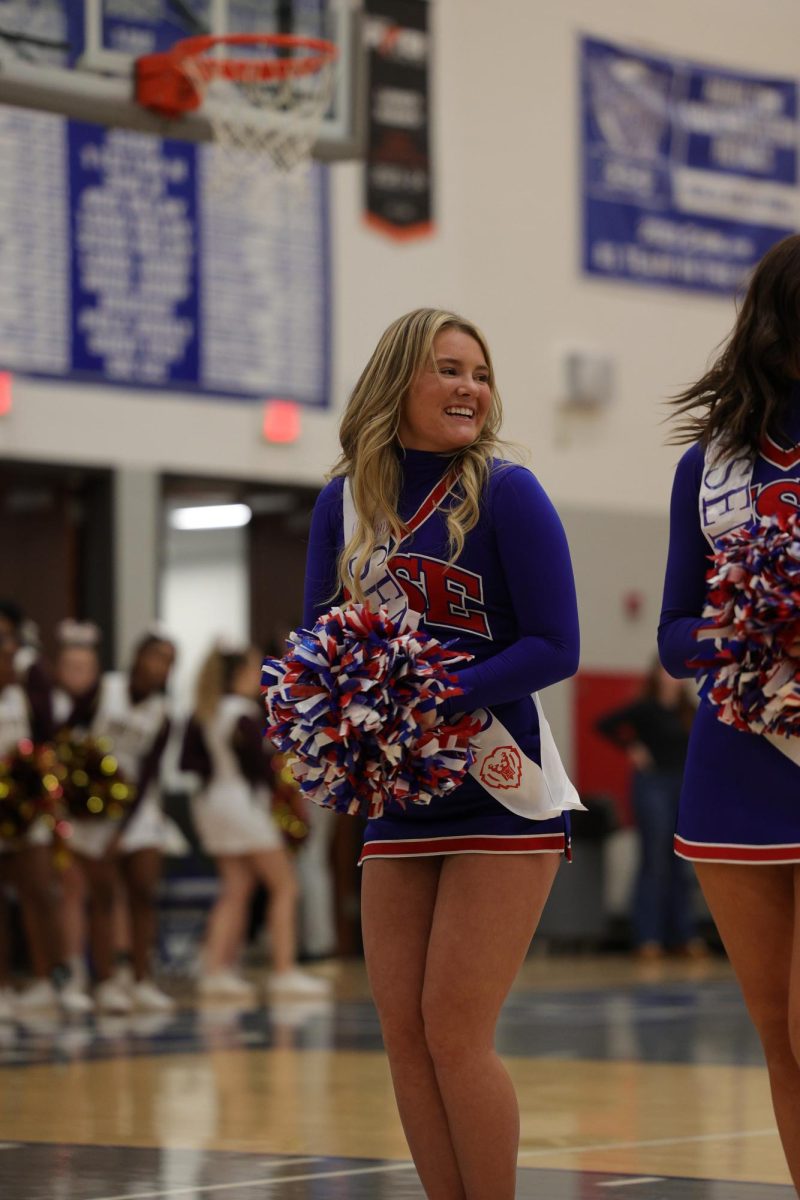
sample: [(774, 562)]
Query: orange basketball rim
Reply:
[(173, 83)]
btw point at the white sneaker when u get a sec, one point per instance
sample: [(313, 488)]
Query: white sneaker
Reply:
[(7, 1013), (225, 985), (75, 999), (147, 997), (297, 983), (79, 972), (111, 998), (37, 996), (123, 976), (293, 1012)]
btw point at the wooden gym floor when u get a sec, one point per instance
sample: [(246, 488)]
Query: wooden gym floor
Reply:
[(637, 1080)]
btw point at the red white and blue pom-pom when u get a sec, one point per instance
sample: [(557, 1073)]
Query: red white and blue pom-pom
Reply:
[(753, 613), (345, 702)]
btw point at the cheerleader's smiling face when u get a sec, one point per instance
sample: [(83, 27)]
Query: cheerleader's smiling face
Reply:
[(449, 400)]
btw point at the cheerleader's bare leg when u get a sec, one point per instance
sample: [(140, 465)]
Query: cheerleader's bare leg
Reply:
[(102, 879), (398, 900), (276, 871), (34, 880), (141, 871), (227, 919), (757, 913), (487, 910), (5, 923), (122, 936), (74, 900)]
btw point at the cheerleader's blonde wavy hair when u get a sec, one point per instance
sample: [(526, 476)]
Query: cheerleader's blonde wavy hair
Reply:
[(369, 439)]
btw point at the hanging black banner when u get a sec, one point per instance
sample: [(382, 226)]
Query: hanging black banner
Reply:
[(398, 167)]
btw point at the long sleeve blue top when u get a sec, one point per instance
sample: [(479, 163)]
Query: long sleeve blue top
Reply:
[(728, 771), (509, 600)]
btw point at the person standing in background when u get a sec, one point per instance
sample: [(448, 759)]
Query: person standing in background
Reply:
[(131, 709), (26, 862), (224, 745), (653, 731), (76, 676)]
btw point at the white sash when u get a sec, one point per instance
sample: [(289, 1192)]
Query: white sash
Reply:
[(501, 767), (726, 503)]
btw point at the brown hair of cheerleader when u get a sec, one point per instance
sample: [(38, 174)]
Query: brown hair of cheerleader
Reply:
[(744, 394)]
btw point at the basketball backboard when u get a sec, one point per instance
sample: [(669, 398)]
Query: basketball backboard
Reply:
[(76, 57)]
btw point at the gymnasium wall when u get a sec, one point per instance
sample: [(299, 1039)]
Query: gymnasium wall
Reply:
[(506, 253)]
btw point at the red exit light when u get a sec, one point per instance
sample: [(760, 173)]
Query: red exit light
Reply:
[(6, 380), (281, 423)]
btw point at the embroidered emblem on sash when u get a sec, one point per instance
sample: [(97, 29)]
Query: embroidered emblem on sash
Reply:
[(502, 768)]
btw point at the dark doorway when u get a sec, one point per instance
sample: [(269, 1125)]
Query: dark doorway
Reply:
[(277, 541), (56, 545)]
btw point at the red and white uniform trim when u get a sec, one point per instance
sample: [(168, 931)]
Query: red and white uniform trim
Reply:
[(730, 852), (536, 843)]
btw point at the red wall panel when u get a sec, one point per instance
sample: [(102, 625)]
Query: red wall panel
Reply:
[(599, 766)]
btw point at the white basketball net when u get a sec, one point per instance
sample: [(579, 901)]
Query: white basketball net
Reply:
[(280, 118)]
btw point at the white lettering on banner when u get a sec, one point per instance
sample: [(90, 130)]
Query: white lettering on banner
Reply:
[(672, 268), (634, 177), (399, 107), (667, 234), (34, 232), (395, 41), (756, 201), (394, 177), (721, 89)]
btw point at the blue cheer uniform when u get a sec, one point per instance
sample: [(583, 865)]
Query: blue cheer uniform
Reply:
[(740, 801), (509, 601)]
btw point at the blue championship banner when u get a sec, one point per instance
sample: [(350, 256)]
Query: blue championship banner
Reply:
[(121, 263), (690, 172)]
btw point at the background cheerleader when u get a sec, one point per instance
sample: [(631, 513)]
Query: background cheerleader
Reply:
[(26, 861), (131, 709), (76, 678), (224, 745)]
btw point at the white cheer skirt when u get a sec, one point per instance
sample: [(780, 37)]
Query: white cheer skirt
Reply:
[(233, 818), (148, 829)]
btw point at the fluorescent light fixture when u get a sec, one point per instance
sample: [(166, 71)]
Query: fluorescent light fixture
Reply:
[(211, 516)]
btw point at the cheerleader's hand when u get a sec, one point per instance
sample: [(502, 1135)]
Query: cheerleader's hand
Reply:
[(793, 649)]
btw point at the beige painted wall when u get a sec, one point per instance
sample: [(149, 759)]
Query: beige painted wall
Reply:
[(507, 253)]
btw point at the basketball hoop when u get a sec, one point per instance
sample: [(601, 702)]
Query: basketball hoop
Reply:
[(269, 100)]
